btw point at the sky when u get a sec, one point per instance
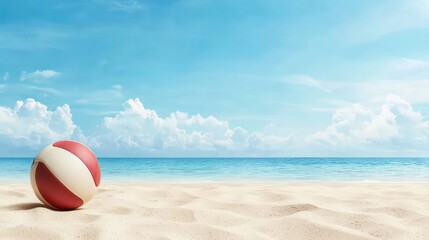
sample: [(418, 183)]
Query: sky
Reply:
[(203, 78)]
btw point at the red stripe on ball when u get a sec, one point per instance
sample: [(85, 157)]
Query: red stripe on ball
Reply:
[(53, 191), (85, 155)]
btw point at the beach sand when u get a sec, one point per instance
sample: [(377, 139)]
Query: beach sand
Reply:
[(225, 211)]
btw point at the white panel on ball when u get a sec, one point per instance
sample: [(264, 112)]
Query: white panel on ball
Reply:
[(69, 170)]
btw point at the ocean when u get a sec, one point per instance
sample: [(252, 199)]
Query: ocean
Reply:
[(244, 169)]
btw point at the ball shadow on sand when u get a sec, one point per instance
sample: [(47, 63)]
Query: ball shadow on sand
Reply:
[(24, 206), (30, 206)]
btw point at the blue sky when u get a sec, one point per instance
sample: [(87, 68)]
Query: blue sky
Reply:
[(255, 78)]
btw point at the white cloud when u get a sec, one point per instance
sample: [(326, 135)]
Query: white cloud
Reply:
[(117, 87), (31, 125), (396, 123), (46, 90), (122, 5), (141, 130), (310, 82), (408, 64), (387, 18), (195, 2), (264, 142), (6, 76), (403, 69), (102, 96), (38, 75), (405, 77), (15, 37), (415, 91)]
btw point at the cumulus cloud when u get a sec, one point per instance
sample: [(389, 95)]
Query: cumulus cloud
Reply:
[(141, 130), (264, 142), (30, 124), (38, 75), (396, 123), (134, 131)]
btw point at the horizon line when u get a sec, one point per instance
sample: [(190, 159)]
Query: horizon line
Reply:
[(235, 157)]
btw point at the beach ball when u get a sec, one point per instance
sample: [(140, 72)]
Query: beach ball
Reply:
[(65, 175)]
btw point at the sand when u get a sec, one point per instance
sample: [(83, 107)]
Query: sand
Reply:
[(225, 211)]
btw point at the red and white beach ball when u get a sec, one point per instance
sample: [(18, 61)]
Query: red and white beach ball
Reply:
[(65, 175)]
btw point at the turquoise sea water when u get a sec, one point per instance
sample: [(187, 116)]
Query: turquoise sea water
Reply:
[(244, 169)]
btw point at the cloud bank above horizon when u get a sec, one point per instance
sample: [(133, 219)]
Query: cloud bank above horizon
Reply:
[(394, 128)]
